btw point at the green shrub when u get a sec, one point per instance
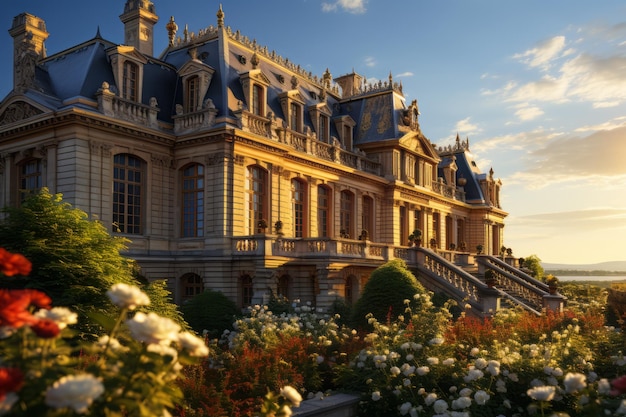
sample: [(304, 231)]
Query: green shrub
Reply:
[(385, 292), (210, 311)]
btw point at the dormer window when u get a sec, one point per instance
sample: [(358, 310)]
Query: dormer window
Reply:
[(127, 65), (192, 93), (295, 117), (345, 127), (292, 104), (254, 84), (196, 79), (320, 116), (130, 82), (258, 100)]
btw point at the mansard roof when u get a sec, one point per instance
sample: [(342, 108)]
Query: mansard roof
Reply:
[(467, 169)]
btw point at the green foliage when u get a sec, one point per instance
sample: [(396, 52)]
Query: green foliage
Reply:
[(75, 259), (210, 311), (385, 292), (533, 263)]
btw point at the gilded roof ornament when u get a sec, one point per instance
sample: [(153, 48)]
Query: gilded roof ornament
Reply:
[(220, 17), (171, 27)]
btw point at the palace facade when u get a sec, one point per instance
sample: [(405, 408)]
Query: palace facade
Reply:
[(231, 168)]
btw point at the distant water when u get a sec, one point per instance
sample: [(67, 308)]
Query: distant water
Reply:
[(592, 277)]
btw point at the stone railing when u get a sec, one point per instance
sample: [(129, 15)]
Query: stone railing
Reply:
[(189, 122), (448, 191), (520, 285), (111, 105)]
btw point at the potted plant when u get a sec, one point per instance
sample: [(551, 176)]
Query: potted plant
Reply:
[(490, 278), (433, 243), (415, 238), (452, 246), (278, 227), (553, 283), (479, 249), (364, 235), (462, 246), (262, 225)]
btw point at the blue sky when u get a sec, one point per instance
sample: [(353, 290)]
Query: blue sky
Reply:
[(539, 87)]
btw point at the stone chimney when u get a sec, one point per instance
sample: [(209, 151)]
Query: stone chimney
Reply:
[(139, 19), (350, 84), (29, 33)]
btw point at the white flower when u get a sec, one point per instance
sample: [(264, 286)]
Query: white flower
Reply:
[(60, 315), (127, 296), (395, 371), (448, 362), (465, 392), (74, 391), (163, 350), (193, 344), (493, 367), (480, 363), (474, 351), (432, 361), (423, 370), (574, 382), (440, 406), (461, 402), (542, 393), (481, 397), (405, 408), (430, 398), (622, 408), (436, 340), (152, 328), (291, 394), (375, 395), (112, 343), (604, 386), (473, 375)]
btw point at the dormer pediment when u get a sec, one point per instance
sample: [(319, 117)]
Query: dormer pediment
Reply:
[(20, 109), (291, 95), (128, 52), (255, 75), (195, 67), (417, 143), (320, 108)]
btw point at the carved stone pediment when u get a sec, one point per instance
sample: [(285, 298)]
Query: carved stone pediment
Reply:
[(19, 110)]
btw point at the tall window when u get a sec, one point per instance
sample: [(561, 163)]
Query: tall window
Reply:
[(283, 286), (322, 133), (256, 196), (351, 290), (193, 84), (347, 137), (437, 227), (247, 291), (404, 226), (127, 193), (130, 80), (193, 201), (294, 115), (299, 199), (30, 178), (345, 214), (367, 215), (323, 210), (257, 100), (192, 285)]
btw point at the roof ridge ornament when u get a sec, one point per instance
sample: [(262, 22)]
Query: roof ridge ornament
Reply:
[(220, 17)]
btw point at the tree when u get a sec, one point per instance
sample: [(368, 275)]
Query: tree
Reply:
[(210, 311), (75, 260), (533, 264), (384, 294)]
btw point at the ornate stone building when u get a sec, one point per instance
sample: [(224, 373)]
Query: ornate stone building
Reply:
[(231, 168)]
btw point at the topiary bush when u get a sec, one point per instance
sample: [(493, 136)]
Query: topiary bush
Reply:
[(384, 293), (210, 311)]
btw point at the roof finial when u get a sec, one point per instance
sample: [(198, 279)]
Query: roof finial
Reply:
[(220, 17), (171, 27), (98, 35)]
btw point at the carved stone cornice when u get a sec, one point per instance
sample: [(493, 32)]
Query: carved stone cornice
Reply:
[(20, 110)]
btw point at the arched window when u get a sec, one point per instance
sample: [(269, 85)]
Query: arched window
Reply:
[(128, 185), (193, 201), (193, 99), (192, 285), (300, 206), (346, 217), (367, 216), (246, 290), (256, 197), (258, 100), (284, 285), (324, 210), (129, 81), (30, 178)]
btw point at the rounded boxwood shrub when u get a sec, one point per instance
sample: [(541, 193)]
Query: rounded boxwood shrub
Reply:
[(210, 311), (384, 293)]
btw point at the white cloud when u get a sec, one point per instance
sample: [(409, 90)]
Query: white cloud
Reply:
[(527, 113), (544, 53), (370, 61), (350, 6), (405, 74), (466, 128)]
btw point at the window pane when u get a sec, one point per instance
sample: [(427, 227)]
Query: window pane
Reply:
[(127, 190), (193, 201)]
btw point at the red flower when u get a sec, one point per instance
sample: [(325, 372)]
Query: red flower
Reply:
[(14, 263), (46, 328), (14, 306), (619, 385), (11, 380)]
